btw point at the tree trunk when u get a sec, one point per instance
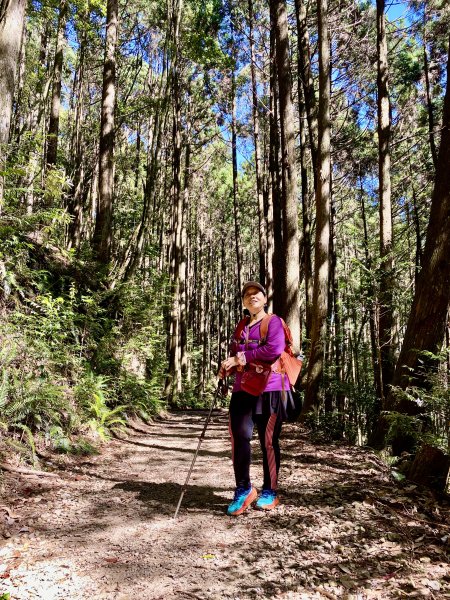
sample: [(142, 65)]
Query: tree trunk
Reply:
[(416, 220), (430, 468), (35, 154), (173, 385), (384, 167), (322, 246), (306, 209), (427, 321), (236, 212), (259, 191), (12, 20), (15, 130), (275, 225), (289, 291), (103, 224), (53, 126), (183, 267), (426, 324), (157, 127), (375, 350), (305, 75), (77, 196), (428, 92)]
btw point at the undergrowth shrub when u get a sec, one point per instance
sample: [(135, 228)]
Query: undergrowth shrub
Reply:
[(432, 423), (92, 392), (352, 421), (74, 361)]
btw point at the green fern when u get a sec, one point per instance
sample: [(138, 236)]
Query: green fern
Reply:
[(4, 389), (30, 439)]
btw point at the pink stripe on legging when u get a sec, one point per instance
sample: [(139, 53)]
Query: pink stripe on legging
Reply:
[(270, 451), (232, 439)]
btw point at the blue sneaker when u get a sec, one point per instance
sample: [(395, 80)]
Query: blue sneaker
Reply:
[(242, 500), (267, 500)]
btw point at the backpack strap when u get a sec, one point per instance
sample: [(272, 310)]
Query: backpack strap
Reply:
[(240, 328), (264, 328), (287, 332)]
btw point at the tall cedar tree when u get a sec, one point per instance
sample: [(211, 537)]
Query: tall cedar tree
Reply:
[(103, 223), (173, 382), (323, 193), (53, 126), (256, 143), (287, 298), (12, 20), (427, 321), (384, 170)]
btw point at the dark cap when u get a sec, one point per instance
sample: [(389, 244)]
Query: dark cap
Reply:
[(254, 284)]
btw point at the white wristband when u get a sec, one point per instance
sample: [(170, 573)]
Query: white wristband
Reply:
[(241, 358)]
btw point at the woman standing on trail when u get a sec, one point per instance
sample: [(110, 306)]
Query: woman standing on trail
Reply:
[(252, 355)]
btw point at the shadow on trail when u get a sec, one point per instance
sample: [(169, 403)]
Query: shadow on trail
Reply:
[(193, 435), (167, 494), (336, 464), (223, 454)]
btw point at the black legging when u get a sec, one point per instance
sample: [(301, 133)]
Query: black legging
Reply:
[(242, 421)]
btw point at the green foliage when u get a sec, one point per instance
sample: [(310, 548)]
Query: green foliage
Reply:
[(61, 442), (57, 330), (403, 426), (28, 396), (202, 21), (78, 347), (29, 439), (92, 393), (432, 426), (332, 426)]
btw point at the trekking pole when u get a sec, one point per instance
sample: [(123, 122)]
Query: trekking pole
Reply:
[(219, 390)]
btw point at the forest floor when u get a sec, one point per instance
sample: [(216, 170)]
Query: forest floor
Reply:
[(101, 527)]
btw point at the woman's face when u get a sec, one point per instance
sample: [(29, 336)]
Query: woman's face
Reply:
[(254, 300)]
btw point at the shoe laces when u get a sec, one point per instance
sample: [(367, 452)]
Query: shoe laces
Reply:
[(268, 494)]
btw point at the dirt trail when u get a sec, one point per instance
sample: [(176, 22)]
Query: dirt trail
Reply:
[(103, 529)]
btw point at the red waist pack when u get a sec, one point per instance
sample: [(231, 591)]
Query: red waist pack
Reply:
[(255, 377)]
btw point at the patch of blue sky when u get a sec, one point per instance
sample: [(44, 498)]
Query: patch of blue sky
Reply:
[(397, 10)]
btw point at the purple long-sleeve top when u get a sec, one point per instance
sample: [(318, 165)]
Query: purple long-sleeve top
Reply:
[(268, 352)]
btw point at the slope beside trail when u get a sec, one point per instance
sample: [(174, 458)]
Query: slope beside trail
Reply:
[(103, 527)]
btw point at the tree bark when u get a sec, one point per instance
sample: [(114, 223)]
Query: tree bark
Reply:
[(289, 292), (384, 169), (12, 21), (259, 191), (77, 196), (306, 208), (323, 193), (430, 468), (173, 384), (53, 126), (428, 92), (274, 224), (306, 78), (375, 350), (183, 266), (102, 239), (236, 211), (427, 321)]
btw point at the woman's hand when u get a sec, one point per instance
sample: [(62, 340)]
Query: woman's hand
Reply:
[(230, 362)]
